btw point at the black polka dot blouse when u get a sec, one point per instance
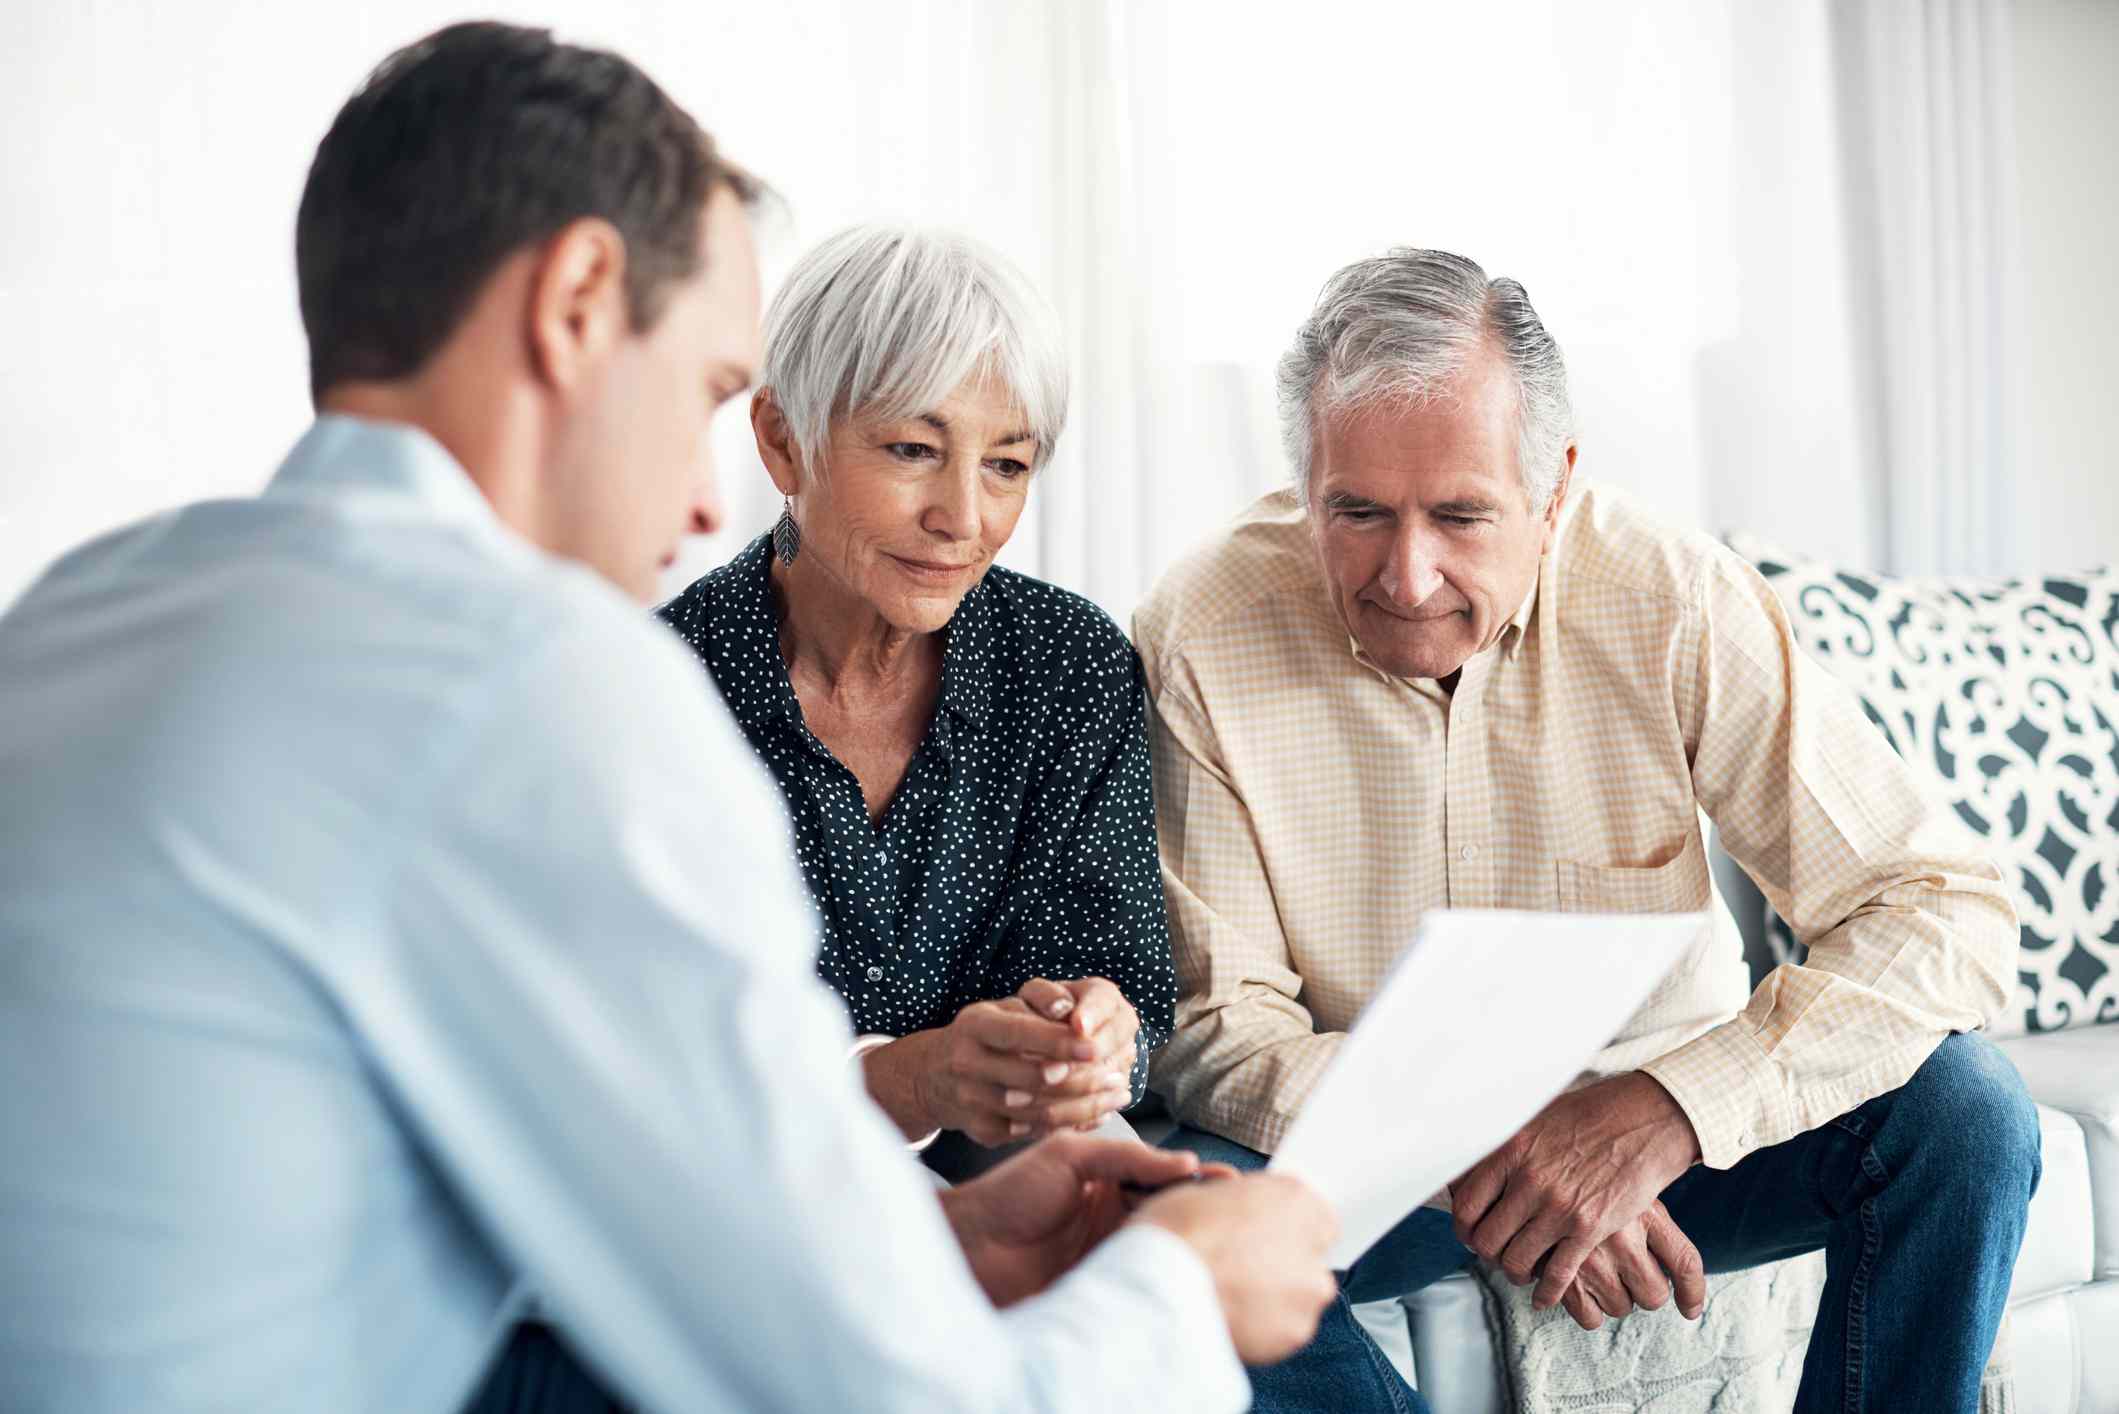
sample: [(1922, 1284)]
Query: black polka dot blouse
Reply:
[(1022, 842)]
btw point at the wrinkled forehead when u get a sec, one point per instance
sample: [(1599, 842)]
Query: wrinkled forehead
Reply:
[(1454, 442)]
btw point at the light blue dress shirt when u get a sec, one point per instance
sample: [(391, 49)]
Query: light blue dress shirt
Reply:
[(391, 924)]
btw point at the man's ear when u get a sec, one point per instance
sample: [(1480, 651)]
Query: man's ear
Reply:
[(776, 442), (578, 307), (1559, 498)]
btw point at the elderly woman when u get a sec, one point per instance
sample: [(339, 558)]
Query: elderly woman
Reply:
[(961, 746)]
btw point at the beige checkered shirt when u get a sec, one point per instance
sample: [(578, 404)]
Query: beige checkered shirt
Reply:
[(1312, 808)]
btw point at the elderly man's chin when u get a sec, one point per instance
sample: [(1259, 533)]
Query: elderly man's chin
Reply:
[(1417, 650)]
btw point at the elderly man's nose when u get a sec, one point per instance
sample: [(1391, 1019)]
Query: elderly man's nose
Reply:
[(1413, 573)]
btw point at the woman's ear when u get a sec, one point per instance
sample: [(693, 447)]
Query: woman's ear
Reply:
[(776, 442)]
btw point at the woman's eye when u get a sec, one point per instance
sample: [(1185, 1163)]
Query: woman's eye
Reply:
[(1008, 467), (910, 451)]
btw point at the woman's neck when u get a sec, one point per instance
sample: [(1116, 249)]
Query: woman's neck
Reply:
[(831, 636)]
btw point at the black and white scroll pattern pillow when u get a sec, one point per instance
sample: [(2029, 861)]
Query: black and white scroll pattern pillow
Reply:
[(2005, 693)]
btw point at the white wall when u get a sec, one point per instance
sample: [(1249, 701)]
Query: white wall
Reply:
[(1178, 175), (2067, 135), (156, 153)]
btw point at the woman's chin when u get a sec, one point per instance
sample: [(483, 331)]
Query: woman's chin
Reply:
[(921, 611)]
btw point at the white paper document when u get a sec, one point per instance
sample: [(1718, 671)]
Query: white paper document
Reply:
[(1483, 1019)]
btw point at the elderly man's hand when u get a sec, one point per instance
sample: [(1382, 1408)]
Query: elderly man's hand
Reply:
[(1095, 1010), (1641, 1265), (1025, 1221), (1591, 1163)]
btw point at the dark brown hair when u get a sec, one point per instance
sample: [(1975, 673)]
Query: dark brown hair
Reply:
[(467, 146)]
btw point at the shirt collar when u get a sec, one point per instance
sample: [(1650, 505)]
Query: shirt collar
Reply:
[(745, 624), (341, 454), (967, 659), (745, 627)]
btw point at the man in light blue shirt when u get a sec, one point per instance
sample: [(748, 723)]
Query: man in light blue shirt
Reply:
[(393, 932)]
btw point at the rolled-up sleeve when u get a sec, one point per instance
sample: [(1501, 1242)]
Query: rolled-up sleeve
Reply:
[(1910, 931)]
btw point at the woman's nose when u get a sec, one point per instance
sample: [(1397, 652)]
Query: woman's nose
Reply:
[(955, 513)]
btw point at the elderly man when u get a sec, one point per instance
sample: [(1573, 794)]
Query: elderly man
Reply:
[(1442, 670)]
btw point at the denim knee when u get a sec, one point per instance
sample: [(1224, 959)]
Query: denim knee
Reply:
[(1214, 1149), (1969, 1116)]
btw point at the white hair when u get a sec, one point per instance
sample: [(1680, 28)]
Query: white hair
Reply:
[(1399, 328), (889, 321)]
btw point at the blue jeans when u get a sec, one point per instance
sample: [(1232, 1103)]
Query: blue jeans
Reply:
[(1917, 1198)]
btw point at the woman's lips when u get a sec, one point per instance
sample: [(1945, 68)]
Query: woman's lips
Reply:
[(930, 569)]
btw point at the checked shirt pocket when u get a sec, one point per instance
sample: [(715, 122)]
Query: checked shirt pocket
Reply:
[(1678, 885)]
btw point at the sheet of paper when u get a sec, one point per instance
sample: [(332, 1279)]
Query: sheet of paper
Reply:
[(1481, 1021)]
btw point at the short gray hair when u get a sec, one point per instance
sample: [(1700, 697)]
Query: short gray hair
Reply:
[(1399, 328), (889, 321)]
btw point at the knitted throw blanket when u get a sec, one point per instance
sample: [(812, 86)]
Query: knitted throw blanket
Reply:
[(1743, 1356)]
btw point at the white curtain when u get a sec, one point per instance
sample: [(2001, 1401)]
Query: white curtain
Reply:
[(1926, 105), (1179, 177)]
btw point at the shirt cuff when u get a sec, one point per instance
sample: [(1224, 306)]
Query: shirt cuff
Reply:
[(1731, 1091), (1180, 1353)]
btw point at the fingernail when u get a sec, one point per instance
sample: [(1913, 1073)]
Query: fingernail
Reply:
[(1055, 1073), (1016, 1099), (1017, 1129), (1116, 1080), (1061, 1007)]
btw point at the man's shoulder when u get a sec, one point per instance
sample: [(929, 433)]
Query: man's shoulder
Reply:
[(1610, 542), (1262, 564)]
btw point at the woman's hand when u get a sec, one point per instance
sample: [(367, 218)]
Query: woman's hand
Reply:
[(999, 1072), (1097, 1012)]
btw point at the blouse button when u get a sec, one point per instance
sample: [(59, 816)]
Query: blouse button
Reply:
[(883, 858), (875, 974)]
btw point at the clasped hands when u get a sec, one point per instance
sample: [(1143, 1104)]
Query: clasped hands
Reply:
[(1055, 1056), (1571, 1203)]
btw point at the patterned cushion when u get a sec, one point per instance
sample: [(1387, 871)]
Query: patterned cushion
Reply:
[(2005, 694)]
